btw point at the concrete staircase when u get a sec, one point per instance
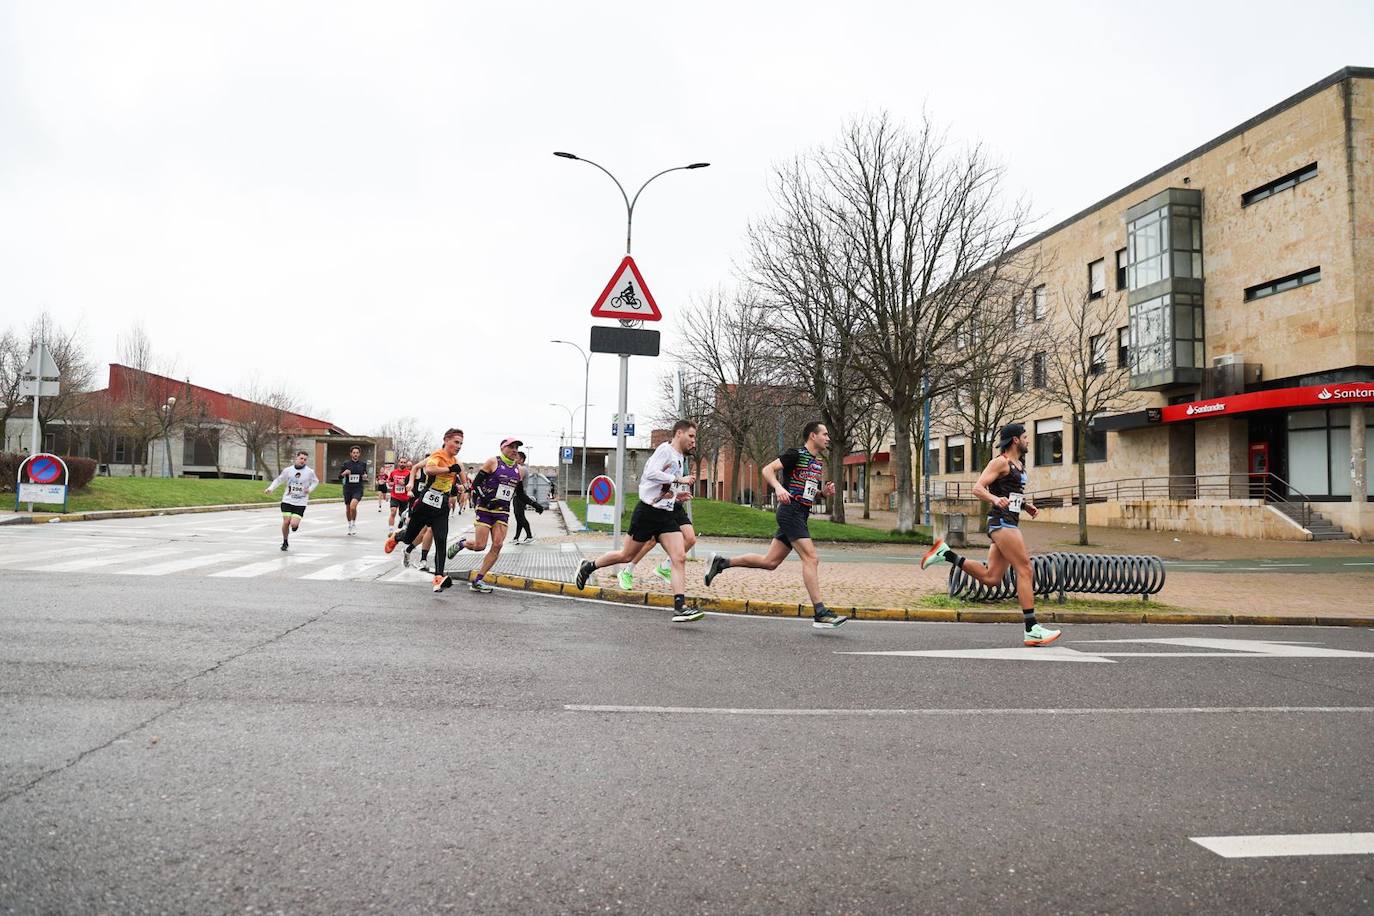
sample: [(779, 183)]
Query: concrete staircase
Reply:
[(1322, 528)]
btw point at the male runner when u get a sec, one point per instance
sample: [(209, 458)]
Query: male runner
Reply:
[(442, 474), (494, 486), (802, 469), (398, 484), (653, 518), (381, 484), (664, 570), (1003, 486), (352, 474), (520, 503), (300, 483)]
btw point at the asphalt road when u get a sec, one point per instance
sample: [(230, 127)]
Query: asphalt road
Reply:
[(190, 744)]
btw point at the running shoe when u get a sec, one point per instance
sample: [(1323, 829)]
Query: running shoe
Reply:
[(529, 541), (480, 585), (405, 558), (390, 544), (442, 582), (664, 571), (935, 554), (828, 620), (687, 615), (1041, 636), (424, 565), (283, 545), (718, 566), (454, 548), (584, 572), (627, 579)]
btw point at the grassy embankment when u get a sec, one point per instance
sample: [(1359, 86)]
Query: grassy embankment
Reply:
[(713, 518)]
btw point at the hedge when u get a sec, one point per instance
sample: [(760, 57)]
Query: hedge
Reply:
[(81, 471)]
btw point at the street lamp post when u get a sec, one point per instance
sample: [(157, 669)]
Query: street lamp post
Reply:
[(624, 357), (572, 420), (167, 434), (586, 381)]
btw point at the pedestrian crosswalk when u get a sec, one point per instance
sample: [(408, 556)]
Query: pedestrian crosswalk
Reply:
[(245, 545)]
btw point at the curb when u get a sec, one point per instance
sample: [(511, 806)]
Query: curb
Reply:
[(39, 518), (750, 607)]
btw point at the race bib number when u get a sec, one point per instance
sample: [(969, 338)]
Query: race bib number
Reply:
[(295, 489), (355, 478), (433, 498), (809, 494), (505, 493), (1015, 501)]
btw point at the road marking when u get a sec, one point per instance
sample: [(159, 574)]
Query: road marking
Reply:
[(1357, 564), (267, 566), (1222, 648), (1086, 711), (185, 563), (349, 569), (1288, 844), (122, 556), (1027, 654)]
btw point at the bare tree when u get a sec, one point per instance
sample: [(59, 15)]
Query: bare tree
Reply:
[(931, 236), (407, 438), (152, 405), (1078, 377), (260, 419), (74, 367), (12, 361)]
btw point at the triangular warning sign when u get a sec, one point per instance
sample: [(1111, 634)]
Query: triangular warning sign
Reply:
[(626, 296)]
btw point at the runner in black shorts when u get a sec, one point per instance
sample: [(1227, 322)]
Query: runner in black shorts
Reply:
[(664, 570), (1003, 486), (800, 484), (654, 518), (382, 484), (353, 476)]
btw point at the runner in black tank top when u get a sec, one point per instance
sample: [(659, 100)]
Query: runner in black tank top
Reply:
[(1003, 486)]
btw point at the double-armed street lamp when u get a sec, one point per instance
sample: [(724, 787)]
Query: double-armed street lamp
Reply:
[(624, 357)]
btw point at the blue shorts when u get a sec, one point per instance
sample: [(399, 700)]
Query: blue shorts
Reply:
[(995, 523)]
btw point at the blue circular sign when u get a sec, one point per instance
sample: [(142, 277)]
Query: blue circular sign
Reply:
[(600, 491), (44, 469)]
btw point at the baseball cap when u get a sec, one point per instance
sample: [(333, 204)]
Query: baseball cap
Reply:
[(511, 441)]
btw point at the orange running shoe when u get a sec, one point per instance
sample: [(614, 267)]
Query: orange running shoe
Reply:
[(390, 544)]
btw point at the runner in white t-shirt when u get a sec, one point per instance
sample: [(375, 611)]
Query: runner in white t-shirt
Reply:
[(300, 482)]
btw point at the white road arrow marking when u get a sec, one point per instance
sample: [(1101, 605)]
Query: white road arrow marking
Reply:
[(1288, 844)]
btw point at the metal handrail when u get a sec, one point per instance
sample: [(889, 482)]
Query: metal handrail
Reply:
[(1265, 486)]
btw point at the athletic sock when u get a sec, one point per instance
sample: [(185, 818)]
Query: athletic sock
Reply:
[(424, 555), (679, 602), (819, 608), (1029, 618), (954, 559)]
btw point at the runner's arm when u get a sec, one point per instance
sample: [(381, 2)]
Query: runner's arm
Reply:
[(996, 468), (770, 476), (281, 479)]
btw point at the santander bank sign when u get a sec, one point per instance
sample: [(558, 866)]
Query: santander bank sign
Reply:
[(1277, 399)]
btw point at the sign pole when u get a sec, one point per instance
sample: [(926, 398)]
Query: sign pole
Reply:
[(620, 446)]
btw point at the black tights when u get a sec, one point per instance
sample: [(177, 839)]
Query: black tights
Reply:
[(437, 520)]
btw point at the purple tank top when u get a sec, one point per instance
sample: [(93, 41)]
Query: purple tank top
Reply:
[(499, 487)]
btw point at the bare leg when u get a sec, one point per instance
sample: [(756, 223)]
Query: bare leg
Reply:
[(629, 552), (991, 574), (498, 537), (1010, 543), (671, 543), (811, 568), (777, 552)]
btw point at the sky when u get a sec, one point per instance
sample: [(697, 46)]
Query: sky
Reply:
[(359, 201)]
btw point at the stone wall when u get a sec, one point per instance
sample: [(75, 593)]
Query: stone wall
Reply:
[(1243, 518)]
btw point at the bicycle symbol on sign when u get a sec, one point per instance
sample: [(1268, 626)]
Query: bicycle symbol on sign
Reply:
[(627, 298)]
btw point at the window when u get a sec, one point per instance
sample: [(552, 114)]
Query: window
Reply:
[(1038, 309), (1282, 183), (1097, 279), (1018, 377), (954, 454), (1120, 269), (1094, 444), (1164, 243), (932, 461), (1018, 308), (1123, 347), (201, 447), (1282, 284), (121, 450), (1166, 333), (1049, 442), (1038, 370), (1097, 348), (1319, 452)]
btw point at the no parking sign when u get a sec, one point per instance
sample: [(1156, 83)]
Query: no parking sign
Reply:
[(37, 481), (600, 499)]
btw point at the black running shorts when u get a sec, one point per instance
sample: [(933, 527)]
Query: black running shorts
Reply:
[(792, 523), (351, 493), (648, 523), (399, 503), (288, 509), (680, 515)]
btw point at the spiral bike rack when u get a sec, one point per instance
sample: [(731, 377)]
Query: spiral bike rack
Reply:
[(1084, 573)]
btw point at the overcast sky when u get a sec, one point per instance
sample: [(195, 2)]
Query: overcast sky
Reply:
[(360, 200)]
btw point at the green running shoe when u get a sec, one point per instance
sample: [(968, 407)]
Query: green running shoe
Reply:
[(627, 578), (935, 554), (455, 547), (664, 572), (1041, 636), (480, 585)]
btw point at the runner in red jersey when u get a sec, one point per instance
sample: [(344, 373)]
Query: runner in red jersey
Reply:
[(398, 482)]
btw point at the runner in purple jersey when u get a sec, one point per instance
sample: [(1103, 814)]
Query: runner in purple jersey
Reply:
[(494, 488)]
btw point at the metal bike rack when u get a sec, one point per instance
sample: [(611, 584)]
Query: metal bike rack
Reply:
[(1084, 573)]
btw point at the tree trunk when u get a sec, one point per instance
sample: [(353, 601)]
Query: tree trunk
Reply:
[(1078, 437), (868, 483), (837, 476), (906, 511)]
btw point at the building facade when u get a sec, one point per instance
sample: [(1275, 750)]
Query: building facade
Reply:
[(1242, 276)]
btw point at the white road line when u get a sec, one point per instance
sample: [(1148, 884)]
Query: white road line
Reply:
[(349, 569), (268, 566), (1357, 564), (185, 563), (1100, 711), (123, 556), (1288, 844)]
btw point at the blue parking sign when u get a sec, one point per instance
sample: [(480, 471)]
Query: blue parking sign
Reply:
[(567, 454)]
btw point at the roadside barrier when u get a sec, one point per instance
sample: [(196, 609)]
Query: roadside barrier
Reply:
[(1083, 573)]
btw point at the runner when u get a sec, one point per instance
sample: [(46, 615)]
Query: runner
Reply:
[(398, 484), (381, 484), (1003, 486), (802, 469), (654, 518), (352, 474), (442, 474), (519, 504), (664, 570), (494, 486), (300, 483)]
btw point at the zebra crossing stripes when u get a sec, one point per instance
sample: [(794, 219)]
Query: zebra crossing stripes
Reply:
[(182, 565), (86, 562), (349, 569), (277, 564)]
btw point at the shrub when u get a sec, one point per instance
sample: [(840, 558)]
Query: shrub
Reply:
[(80, 471), (9, 466)]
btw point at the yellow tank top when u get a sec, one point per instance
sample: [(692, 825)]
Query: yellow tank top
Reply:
[(442, 482)]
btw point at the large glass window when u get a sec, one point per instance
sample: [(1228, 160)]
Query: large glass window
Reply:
[(1049, 442), (954, 454), (1164, 243), (1150, 335), (1319, 452), (1094, 444)]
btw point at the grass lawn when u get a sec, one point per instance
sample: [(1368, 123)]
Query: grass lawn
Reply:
[(713, 518), (172, 492)]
